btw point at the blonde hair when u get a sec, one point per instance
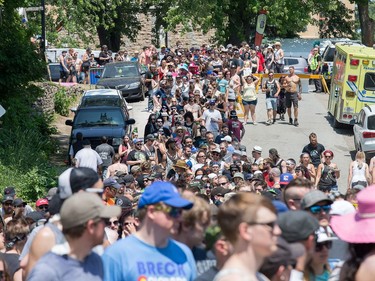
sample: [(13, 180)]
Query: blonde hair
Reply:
[(241, 207), (195, 214)]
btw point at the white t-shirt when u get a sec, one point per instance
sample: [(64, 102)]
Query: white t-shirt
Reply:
[(211, 119), (88, 158)]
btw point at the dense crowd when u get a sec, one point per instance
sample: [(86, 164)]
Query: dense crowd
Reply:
[(188, 201)]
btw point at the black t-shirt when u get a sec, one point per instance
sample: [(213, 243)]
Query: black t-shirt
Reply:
[(136, 155), (314, 153), (103, 55)]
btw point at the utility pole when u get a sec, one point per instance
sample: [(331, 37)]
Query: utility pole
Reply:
[(43, 16)]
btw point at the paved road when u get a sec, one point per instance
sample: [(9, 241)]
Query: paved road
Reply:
[(290, 140)]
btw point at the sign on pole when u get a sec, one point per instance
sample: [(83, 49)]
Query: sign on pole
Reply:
[(2, 111)]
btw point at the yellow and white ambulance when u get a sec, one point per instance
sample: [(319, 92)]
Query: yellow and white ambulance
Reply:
[(353, 82)]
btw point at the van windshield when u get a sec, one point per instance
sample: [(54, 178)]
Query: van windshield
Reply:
[(99, 117)]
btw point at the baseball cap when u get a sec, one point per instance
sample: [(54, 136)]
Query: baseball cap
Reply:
[(238, 152), (10, 190), (19, 202), (83, 206), (313, 197), (296, 226), (257, 148), (239, 175), (111, 182), (217, 150), (124, 202), (212, 102), (150, 137), (165, 192), (341, 207), (233, 113), (227, 139), (35, 216), (7, 198), (286, 254), (42, 201), (219, 191), (74, 179), (286, 178), (137, 140), (128, 179)]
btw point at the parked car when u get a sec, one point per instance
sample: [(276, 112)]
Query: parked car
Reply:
[(126, 77), (299, 63), (103, 97), (364, 131), (95, 121)]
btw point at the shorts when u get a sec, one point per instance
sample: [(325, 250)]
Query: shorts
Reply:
[(271, 103), (231, 100), (63, 74), (253, 102), (291, 98)]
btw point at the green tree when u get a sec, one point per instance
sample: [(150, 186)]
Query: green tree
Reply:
[(83, 19), (366, 21), (335, 19), (234, 21)]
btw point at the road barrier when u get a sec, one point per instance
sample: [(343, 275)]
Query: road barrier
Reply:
[(301, 76), (239, 106)]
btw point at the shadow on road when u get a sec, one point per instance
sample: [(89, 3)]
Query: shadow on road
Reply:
[(344, 129)]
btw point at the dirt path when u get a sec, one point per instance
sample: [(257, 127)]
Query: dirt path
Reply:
[(59, 158)]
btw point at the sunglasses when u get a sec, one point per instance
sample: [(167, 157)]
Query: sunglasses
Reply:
[(173, 212), (318, 209), (319, 246), (109, 223), (271, 224), (43, 207), (223, 183)]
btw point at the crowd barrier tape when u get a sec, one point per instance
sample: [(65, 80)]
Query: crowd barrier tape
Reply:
[(93, 72), (239, 106)]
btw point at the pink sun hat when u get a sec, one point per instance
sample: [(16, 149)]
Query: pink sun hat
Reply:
[(358, 227)]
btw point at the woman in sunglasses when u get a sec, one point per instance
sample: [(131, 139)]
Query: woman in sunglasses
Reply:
[(327, 173), (317, 267), (248, 222)]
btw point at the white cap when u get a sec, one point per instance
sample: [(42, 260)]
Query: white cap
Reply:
[(257, 148), (227, 139), (212, 176), (342, 207), (323, 237)]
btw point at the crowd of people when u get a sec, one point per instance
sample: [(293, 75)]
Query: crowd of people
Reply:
[(188, 201), (225, 74), (165, 210)]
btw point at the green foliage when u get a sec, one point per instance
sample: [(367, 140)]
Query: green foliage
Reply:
[(336, 20), (235, 20), (84, 18), (24, 162), (19, 59), (63, 101)]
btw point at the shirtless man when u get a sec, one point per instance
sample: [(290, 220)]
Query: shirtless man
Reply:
[(292, 96)]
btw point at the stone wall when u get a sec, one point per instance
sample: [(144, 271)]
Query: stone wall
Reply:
[(146, 36)]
